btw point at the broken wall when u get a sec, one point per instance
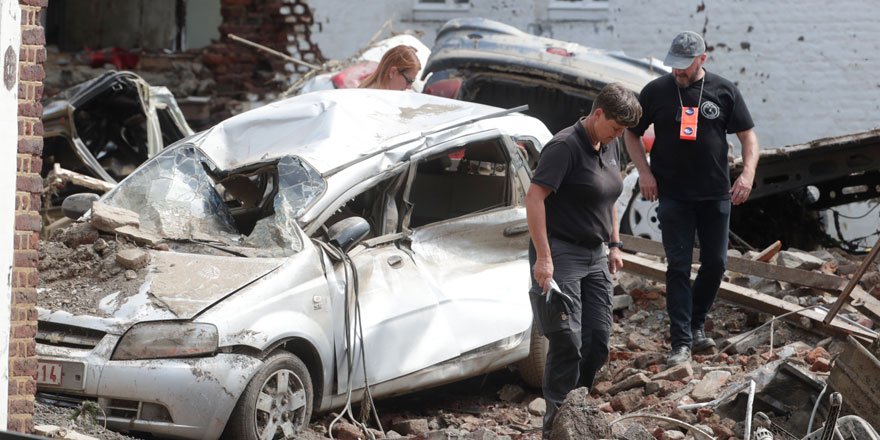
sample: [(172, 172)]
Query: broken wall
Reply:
[(23, 328), (283, 25)]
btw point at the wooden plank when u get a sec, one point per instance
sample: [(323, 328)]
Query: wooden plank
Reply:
[(854, 281), (752, 299), (768, 253), (821, 281), (866, 304)]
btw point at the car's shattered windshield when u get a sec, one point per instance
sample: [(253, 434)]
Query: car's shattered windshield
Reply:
[(177, 199)]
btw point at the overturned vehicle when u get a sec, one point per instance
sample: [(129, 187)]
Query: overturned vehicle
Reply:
[(290, 255), (96, 133)]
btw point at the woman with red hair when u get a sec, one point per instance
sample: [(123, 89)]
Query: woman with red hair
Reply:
[(397, 70)]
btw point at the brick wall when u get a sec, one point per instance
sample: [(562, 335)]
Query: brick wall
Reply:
[(283, 25), (22, 358)]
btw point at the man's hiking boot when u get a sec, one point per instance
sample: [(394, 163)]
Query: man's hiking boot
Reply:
[(700, 341), (678, 355)]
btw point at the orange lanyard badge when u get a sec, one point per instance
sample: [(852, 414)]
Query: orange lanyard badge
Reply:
[(688, 130)]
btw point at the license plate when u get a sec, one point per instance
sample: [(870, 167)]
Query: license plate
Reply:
[(49, 373)]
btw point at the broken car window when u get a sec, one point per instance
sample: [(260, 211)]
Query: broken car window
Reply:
[(175, 198), (179, 200), (298, 186)]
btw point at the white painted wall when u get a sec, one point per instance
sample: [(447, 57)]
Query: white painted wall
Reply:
[(10, 42), (807, 68)]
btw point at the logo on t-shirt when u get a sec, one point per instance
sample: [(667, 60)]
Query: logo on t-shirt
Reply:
[(710, 110)]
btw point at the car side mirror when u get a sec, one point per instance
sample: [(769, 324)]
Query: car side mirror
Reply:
[(74, 206), (348, 232)]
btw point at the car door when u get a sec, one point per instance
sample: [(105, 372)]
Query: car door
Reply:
[(469, 238), (403, 330)]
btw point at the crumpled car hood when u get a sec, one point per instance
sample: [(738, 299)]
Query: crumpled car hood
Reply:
[(176, 286)]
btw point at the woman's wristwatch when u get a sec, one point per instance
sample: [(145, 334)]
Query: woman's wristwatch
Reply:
[(615, 244)]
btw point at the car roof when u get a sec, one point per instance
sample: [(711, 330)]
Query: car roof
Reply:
[(332, 128), (480, 44)]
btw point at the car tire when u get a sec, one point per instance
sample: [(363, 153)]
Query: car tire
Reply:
[(531, 369), (288, 411), (640, 218)]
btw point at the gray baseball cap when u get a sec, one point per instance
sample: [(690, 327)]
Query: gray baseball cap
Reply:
[(685, 47)]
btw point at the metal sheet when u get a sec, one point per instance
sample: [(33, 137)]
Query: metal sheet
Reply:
[(856, 375), (479, 272)]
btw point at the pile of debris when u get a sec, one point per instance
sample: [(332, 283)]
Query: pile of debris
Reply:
[(768, 374)]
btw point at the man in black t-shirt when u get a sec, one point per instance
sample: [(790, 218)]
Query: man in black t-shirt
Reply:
[(571, 215), (693, 111)]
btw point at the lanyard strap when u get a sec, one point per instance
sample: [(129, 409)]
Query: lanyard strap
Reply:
[(700, 100)]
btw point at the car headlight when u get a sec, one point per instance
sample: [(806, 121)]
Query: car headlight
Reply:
[(166, 339)]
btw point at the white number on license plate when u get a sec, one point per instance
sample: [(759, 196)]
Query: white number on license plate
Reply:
[(49, 373)]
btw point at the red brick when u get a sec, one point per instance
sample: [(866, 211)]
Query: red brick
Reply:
[(36, 165), (25, 258), (24, 331), (24, 367), (24, 295), (24, 89), (28, 386), (23, 278), (20, 278), (23, 162), (30, 182), (32, 72), (33, 36), (13, 385), (21, 405), (30, 145), (17, 424), (23, 201), (14, 352), (30, 109), (33, 280), (28, 222), (30, 346)]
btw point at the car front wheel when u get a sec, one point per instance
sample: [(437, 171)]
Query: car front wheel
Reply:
[(277, 403)]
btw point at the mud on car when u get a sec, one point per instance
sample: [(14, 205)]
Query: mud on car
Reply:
[(294, 253)]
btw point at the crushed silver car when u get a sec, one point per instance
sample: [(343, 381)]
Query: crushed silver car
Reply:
[(293, 253)]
